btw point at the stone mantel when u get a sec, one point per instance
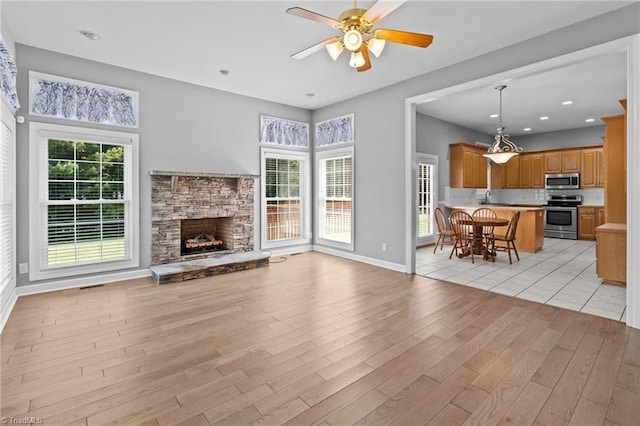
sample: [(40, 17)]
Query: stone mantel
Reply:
[(176, 175), (202, 174)]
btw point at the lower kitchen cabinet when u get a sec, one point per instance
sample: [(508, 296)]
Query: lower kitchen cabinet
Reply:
[(589, 218), (611, 253)]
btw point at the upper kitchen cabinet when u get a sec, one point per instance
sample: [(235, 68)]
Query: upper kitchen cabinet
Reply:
[(592, 168), (531, 173), (562, 161), (615, 167), (467, 166), (512, 173)]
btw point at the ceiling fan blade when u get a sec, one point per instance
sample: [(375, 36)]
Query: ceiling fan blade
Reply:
[(313, 49), (404, 37), (313, 16), (367, 61), (380, 9)]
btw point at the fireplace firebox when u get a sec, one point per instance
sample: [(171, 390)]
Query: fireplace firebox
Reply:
[(206, 235)]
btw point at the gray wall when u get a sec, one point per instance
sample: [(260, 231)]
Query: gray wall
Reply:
[(591, 135), (380, 123), (434, 136), (183, 127)]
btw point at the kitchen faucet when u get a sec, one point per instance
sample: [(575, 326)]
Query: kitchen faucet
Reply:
[(486, 197)]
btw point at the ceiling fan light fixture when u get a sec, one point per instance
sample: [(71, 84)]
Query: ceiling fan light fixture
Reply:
[(352, 40), (357, 59), (376, 46), (335, 49)]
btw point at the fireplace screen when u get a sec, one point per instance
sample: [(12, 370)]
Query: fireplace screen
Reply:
[(205, 235)]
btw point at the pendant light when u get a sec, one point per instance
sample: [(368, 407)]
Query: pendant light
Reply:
[(502, 149)]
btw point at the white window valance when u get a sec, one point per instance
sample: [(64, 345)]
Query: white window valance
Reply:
[(59, 97), (335, 131), (279, 131), (8, 75)]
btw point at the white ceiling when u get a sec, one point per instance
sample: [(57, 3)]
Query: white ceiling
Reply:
[(192, 41)]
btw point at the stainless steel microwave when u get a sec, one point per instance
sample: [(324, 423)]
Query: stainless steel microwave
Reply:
[(562, 181)]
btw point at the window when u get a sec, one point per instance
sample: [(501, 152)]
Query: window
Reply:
[(7, 209), (427, 197), (284, 198), (84, 209), (335, 196)]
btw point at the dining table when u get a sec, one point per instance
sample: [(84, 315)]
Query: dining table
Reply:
[(477, 244)]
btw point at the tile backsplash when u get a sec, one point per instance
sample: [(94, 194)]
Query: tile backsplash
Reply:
[(465, 196)]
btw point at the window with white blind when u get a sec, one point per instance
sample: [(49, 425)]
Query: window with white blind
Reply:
[(7, 210), (84, 208), (427, 170), (285, 204), (335, 197)]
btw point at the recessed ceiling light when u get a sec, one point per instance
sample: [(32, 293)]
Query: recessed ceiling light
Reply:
[(590, 120), (544, 117), (494, 116), (567, 102), (90, 35), (527, 129), (223, 72), (310, 95)]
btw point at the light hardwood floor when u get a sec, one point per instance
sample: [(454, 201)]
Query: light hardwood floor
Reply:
[(313, 340)]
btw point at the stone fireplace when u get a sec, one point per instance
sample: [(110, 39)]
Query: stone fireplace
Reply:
[(198, 216)]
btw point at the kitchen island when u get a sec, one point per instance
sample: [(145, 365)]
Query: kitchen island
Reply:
[(530, 232)]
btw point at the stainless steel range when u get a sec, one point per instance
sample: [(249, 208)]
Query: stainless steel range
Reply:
[(561, 218)]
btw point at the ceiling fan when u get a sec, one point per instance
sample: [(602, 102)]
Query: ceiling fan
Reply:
[(358, 34)]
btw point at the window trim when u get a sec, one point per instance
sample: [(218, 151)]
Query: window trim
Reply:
[(335, 152), (305, 199), (38, 134)]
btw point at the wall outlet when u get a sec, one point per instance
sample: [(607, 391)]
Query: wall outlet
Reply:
[(384, 246), (23, 268)]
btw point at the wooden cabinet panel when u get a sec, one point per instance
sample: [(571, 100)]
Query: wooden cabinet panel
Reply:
[(592, 168), (615, 194), (553, 162), (571, 161), (512, 173), (611, 253), (537, 170), (525, 172), (562, 161), (498, 179), (587, 222), (467, 166)]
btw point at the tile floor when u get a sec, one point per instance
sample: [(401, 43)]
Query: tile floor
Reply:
[(562, 274)]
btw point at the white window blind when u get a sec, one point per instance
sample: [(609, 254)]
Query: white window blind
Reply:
[(335, 204), (86, 200), (7, 207), (284, 200)]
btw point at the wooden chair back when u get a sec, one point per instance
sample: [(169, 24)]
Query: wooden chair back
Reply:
[(485, 213), (513, 226), (461, 224), (440, 220)]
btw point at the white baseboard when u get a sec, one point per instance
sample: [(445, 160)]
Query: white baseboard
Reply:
[(369, 260), (82, 282), (10, 304), (285, 251)]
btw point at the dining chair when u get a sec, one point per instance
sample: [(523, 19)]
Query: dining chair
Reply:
[(462, 226), (508, 240), (445, 234), (487, 231)]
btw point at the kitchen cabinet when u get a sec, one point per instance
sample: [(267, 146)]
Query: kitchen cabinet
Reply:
[(498, 177), (562, 161), (615, 168), (531, 171), (468, 166), (592, 168), (611, 253), (589, 218), (512, 173)]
